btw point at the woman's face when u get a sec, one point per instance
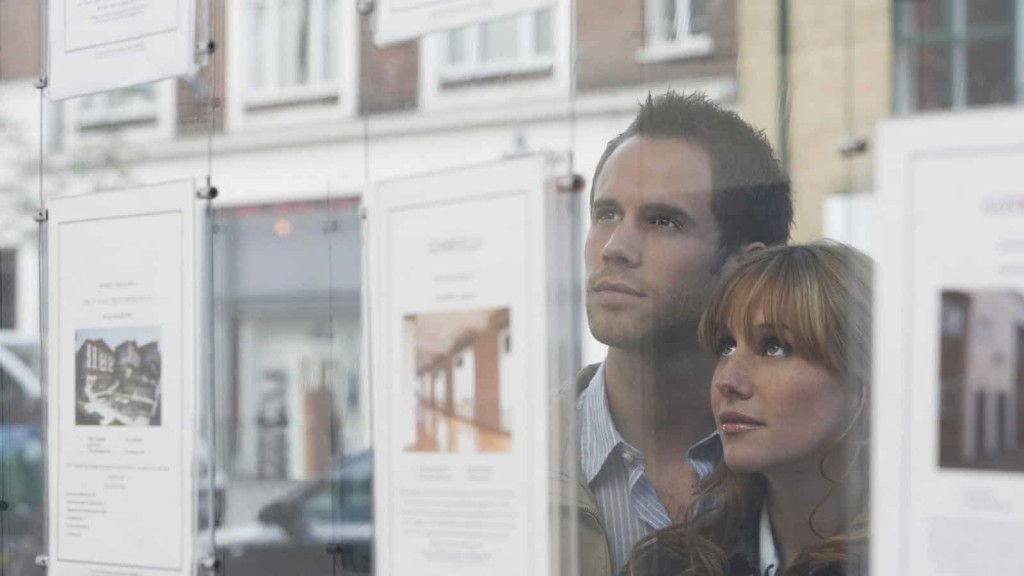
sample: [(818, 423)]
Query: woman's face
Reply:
[(774, 408)]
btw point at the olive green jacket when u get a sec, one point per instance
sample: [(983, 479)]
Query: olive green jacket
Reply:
[(583, 541)]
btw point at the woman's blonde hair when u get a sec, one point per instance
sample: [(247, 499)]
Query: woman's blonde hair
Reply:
[(819, 296)]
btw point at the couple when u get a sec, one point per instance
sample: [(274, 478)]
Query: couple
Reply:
[(731, 440)]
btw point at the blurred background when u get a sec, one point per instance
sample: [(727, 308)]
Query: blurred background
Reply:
[(298, 110)]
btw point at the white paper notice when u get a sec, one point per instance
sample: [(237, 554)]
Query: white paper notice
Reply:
[(949, 380), (399, 20), (99, 45), (121, 427), (460, 372)]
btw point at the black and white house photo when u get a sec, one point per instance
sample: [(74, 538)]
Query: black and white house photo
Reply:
[(117, 376)]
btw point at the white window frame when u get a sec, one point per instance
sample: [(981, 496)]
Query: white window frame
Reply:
[(248, 109), (438, 93), (656, 45), (103, 113), (527, 61)]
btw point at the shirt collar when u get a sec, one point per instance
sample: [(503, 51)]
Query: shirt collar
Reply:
[(706, 455), (599, 436), (767, 554)]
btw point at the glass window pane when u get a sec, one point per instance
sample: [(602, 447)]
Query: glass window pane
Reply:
[(329, 43), (924, 16), (499, 40), (932, 76), (990, 72), (700, 17), (542, 32), (256, 13), (665, 27), (458, 46), (989, 12)]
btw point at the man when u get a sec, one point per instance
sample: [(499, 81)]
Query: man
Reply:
[(677, 199)]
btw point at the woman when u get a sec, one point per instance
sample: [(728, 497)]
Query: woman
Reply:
[(791, 329)]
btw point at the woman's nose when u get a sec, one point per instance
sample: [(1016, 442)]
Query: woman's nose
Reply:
[(732, 381)]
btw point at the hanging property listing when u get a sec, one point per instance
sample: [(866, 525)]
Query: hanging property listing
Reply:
[(99, 45), (464, 360), (122, 381), (949, 374)]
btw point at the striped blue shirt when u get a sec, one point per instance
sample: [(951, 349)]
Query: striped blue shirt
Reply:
[(626, 500)]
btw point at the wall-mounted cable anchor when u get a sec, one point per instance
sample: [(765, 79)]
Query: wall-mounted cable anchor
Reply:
[(42, 561), (207, 193), (850, 145), (41, 216), (570, 183), (206, 48), (41, 83), (365, 7)]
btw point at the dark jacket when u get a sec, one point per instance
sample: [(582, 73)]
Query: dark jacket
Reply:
[(655, 558), (583, 540)]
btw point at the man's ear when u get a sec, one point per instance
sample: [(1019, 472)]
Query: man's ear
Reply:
[(736, 257)]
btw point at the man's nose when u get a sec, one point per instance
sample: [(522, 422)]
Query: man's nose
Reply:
[(732, 380), (624, 245)]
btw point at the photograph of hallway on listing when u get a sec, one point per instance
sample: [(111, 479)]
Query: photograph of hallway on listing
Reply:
[(458, 384)]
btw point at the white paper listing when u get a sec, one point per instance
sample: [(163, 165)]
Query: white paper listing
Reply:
[(460, 360), (99, 45), (949, 380), (121, 428)]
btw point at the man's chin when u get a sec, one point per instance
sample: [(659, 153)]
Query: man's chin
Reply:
[(642, 335), (620, 336)]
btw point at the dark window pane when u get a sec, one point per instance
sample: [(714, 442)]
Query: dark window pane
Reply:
[(989, 72), (700, 17), (989, 12), (932, 77), (8, 286), (926, 15)]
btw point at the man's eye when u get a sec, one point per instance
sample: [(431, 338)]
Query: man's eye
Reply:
[(775, 348), (726, 347), (606, 215), (662, 221)]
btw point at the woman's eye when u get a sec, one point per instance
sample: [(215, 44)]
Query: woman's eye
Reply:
[(773, 347), (726, 347)]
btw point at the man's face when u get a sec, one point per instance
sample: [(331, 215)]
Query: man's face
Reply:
[(651, 253)]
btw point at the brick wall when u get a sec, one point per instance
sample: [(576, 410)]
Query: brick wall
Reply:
[(19, 39), (388, 75), (611, 32)]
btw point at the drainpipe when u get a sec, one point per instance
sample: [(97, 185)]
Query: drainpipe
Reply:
[(783, 87)]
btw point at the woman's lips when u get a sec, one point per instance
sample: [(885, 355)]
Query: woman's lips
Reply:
[(736, 423)]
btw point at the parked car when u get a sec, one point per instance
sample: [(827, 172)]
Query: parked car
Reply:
[(21, 453), (308, 530)]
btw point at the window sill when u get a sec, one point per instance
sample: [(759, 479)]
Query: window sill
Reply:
[(688, 48), (303, 96), (118, 119), (457, 78)]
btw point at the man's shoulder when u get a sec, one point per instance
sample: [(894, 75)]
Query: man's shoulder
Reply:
[(585, 376), (569, 392)]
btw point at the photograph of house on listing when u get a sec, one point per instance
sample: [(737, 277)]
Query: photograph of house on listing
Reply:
[(460, 371), (981, 380), (117, 377)]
